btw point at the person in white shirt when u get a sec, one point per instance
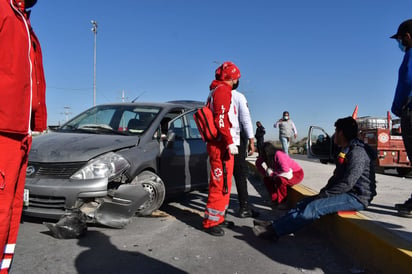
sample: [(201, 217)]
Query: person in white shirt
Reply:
[(242, 134)]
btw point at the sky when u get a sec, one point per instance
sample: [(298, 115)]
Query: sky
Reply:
[(315, 59)]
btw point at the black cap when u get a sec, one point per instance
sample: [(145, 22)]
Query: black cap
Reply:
[(404, 27)]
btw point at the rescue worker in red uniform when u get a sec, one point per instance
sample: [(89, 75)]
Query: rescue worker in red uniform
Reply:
[(22, 109), (221, 151)]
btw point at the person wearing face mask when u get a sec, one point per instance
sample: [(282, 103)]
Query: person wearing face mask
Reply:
[(402, 102), (287, 129), (22, 109), (221, 151)]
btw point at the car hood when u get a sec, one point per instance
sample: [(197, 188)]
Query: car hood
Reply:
[(76, 147)]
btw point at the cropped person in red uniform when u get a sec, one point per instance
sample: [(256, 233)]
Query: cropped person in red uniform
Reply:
[(222, 150), (22, 109)]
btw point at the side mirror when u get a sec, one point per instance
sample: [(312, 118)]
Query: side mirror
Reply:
[(170, 138)]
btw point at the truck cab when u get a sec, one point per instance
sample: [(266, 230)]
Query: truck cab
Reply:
[(382, 134)]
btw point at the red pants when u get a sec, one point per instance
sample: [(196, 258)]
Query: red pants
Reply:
[(13, 162), (278, 186), (221, 163)]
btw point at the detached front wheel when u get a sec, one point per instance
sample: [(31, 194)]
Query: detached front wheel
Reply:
[(156, 189)]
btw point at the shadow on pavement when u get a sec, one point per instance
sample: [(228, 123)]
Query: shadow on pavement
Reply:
[(103, 257), (309, 250), (382, 209)]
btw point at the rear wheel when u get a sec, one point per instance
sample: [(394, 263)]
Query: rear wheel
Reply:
[(379, 169), (156, 189), (403, 171)]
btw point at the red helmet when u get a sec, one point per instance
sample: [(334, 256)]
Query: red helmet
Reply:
[(227, 71)]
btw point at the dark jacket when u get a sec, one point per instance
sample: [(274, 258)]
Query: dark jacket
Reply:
[(354, 174), (260, 133)]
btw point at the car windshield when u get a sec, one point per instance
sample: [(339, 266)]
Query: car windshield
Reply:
[(113, 119)]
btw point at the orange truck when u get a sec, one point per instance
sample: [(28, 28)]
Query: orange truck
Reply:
[(383, 134)]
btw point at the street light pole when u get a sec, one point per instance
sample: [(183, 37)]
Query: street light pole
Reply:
[(94, 30)]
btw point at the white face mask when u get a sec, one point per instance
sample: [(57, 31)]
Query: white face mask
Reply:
[(285, 117), (400, 45)]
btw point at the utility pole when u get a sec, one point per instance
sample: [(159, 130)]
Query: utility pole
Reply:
[(123, 96), (66, 113), (94, 30)]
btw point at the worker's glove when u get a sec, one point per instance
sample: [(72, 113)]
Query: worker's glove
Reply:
[(233, 149), (269, 172)]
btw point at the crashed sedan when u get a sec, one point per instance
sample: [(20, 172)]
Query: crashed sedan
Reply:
[(116, 160)]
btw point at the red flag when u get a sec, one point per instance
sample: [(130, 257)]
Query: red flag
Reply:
[(355, 112)]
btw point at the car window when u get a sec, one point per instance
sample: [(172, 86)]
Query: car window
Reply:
[(185, 127), (177, 126), (193, 131), (124, 119), (102, 117)]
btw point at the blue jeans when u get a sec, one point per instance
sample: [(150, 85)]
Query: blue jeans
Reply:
[(285, 144), (311, 209)]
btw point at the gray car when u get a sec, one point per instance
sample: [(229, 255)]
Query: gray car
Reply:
[(115, 160)]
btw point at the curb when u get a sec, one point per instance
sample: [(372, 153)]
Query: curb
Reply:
[(377, 248)]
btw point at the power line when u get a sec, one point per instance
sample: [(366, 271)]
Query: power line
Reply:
[(61, 88)]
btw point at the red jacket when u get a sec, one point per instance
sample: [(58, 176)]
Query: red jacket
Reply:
[(22, 83), (221, 100)]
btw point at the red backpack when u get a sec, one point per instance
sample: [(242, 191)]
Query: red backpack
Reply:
[(205, 123)]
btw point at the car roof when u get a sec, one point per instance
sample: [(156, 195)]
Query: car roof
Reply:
[(189, 103), (177, 103)]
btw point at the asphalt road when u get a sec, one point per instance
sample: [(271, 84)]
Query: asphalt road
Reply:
[(173, 242)]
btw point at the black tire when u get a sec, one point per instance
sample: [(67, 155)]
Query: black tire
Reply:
[(380, 169), (156, 189), (403, 171)]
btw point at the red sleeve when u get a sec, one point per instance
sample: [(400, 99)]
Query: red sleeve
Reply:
[(222, 98)]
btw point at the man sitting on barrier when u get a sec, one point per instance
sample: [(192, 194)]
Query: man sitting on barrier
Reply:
[(351, 187)]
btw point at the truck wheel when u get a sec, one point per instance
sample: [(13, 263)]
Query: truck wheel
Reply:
[(380, 169), (403, 171), (156, 189)]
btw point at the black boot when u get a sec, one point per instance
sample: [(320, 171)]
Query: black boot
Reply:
[(215, 230), (264, 230), (245, 211), (227, 224)]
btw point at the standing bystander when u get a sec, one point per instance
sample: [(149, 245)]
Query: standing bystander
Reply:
[(287, 129), (260, 136), (23, 109), (402, 102), (242, 134)]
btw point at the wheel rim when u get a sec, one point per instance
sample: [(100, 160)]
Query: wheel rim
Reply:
[(152, 195)]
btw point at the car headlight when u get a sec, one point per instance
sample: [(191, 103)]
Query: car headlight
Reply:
[(109, 165)]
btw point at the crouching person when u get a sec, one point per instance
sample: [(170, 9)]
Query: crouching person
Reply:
[(279, 171), (351, 187)]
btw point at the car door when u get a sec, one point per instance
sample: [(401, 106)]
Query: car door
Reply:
[(183, 162), (320, 145)]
